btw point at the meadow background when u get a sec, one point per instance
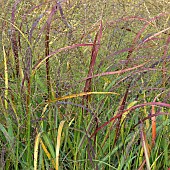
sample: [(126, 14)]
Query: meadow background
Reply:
[(84, 84)]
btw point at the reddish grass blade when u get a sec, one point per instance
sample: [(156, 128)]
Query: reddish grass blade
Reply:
[(128, 19), (95, 50), (47, 50), (142, 165), (147, 24), (115, 72), (132, 48), (150, 117), (135, 44), (130, 109), (154, 35), (35, 23), (49, 20), (63, 18), (136, 47), (154, 121)]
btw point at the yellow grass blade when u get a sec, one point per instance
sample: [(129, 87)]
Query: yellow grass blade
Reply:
[(129, 106), (79, 95), (58, 143), (37, 141), (6, 78), (47, 153), (42, 115)]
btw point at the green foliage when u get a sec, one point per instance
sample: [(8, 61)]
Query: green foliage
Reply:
[(87, 80)]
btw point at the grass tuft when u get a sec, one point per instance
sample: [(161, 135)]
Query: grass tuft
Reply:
[(84, 85)]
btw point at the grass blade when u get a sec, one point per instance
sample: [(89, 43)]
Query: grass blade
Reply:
[(47, 153), (144, 144), (130, 109), (58, 143), (79, 95), (95, 50), (36, 145)]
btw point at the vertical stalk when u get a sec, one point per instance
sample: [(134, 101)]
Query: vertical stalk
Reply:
[(6, 78), (47, 51), (28, 111), (47, 60), (14, 39)]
